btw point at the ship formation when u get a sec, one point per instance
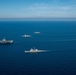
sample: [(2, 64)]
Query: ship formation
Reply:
[(32, 50)]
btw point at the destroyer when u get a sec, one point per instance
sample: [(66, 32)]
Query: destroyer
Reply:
[(36, 32), (4, 41), (33, 50), (26, 36)]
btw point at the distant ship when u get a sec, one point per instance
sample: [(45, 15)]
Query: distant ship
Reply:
[(33, 50), (4, 41), (26, 36), (37, 32)]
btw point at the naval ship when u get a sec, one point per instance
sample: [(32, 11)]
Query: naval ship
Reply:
[(4, 41), (26, 36), (34, 50), (36, 32)]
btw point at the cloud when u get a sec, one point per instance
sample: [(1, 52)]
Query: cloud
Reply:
[(49, 11), (41, 10)]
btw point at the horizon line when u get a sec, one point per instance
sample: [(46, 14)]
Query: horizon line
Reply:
[(37, 19)]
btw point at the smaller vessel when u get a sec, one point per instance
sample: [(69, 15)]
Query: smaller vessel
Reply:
[(34, 50), (26, 36), (37, 32), (4, 41)]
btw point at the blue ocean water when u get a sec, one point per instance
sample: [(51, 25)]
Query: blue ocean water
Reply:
[(59, 37)]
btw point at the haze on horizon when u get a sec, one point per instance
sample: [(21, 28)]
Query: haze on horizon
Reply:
[(37, 8)]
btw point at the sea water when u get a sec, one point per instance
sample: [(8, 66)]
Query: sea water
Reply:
[(58, 37)]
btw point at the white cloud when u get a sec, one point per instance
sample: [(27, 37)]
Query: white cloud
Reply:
[(48, 11), (41, 10)]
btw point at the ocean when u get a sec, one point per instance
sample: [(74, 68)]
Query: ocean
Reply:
[(58, 37)]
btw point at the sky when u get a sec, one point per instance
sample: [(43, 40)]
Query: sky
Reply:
[(37, 8)]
